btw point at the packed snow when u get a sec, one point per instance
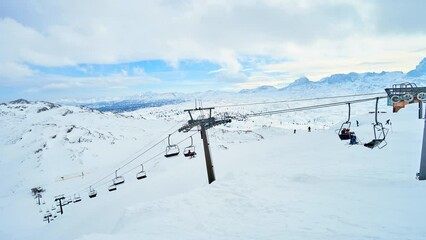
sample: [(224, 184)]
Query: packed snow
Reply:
[(270, 183)]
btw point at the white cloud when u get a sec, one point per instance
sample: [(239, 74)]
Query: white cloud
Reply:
[(318, 37), (11, 70), (48, 83)]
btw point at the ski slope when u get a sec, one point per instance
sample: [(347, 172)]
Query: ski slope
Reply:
[(270, 183)]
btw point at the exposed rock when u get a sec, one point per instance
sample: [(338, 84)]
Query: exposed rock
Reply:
[(20, 101), (42, 109)]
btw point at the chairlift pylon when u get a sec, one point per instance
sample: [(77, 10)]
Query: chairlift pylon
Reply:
[(190, 150), (92, 192), (380, 132), (118, 179), (141, 175), (172, 149)]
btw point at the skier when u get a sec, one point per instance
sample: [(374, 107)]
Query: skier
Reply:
[(353, 139), (309, 129), (357, 123), (294, 132)]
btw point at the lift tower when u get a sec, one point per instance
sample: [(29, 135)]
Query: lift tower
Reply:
[(401, 95), (59, 198), (204, 123)]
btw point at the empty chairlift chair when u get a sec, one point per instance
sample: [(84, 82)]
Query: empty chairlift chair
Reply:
[(141, 175), (113, 187), (172, 149), (67, 201), (77, 198), (190, 150), (380, 132), (47, 216), (92, 192), (118, 179)]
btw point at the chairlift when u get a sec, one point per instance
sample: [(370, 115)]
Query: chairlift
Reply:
[(67, 201), (380, 132), (47, 214), (141, 175), (118, 179), (190, 150), (345, 131), (171, 149), (92, 193), (77, 198), (113, 187)]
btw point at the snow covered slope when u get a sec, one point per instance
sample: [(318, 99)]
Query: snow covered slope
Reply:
[(271, 183)]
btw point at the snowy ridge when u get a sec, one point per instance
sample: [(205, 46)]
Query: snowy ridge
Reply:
[(340, 83), (271, 183)]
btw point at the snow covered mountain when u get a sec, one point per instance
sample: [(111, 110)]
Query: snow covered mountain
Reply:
[(350, 83), (420, 70), (270, 183)]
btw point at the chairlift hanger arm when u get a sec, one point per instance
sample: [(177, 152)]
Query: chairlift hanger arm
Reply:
[(349, 113), (377, 108)]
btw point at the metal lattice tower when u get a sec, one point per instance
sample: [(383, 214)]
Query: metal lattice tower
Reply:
[(204, 123)]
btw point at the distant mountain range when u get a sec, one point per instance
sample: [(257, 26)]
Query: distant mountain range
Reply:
[(350, 83)]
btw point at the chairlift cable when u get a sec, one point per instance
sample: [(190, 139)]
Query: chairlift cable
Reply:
[(296, 100), (161, 153), (311, 107), (99, 183), (133, 159)]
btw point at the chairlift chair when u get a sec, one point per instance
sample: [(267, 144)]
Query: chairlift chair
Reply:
[(113, 187), (77, 198), (47, 214), (118, 179), (344, 131), (190, 150), (141, 175), (92, 193), (380, 133), (172, 149)]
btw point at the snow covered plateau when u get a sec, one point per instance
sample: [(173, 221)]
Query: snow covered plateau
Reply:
[(271, 183)]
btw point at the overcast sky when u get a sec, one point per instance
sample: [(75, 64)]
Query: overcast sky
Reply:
[(53, 49)]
